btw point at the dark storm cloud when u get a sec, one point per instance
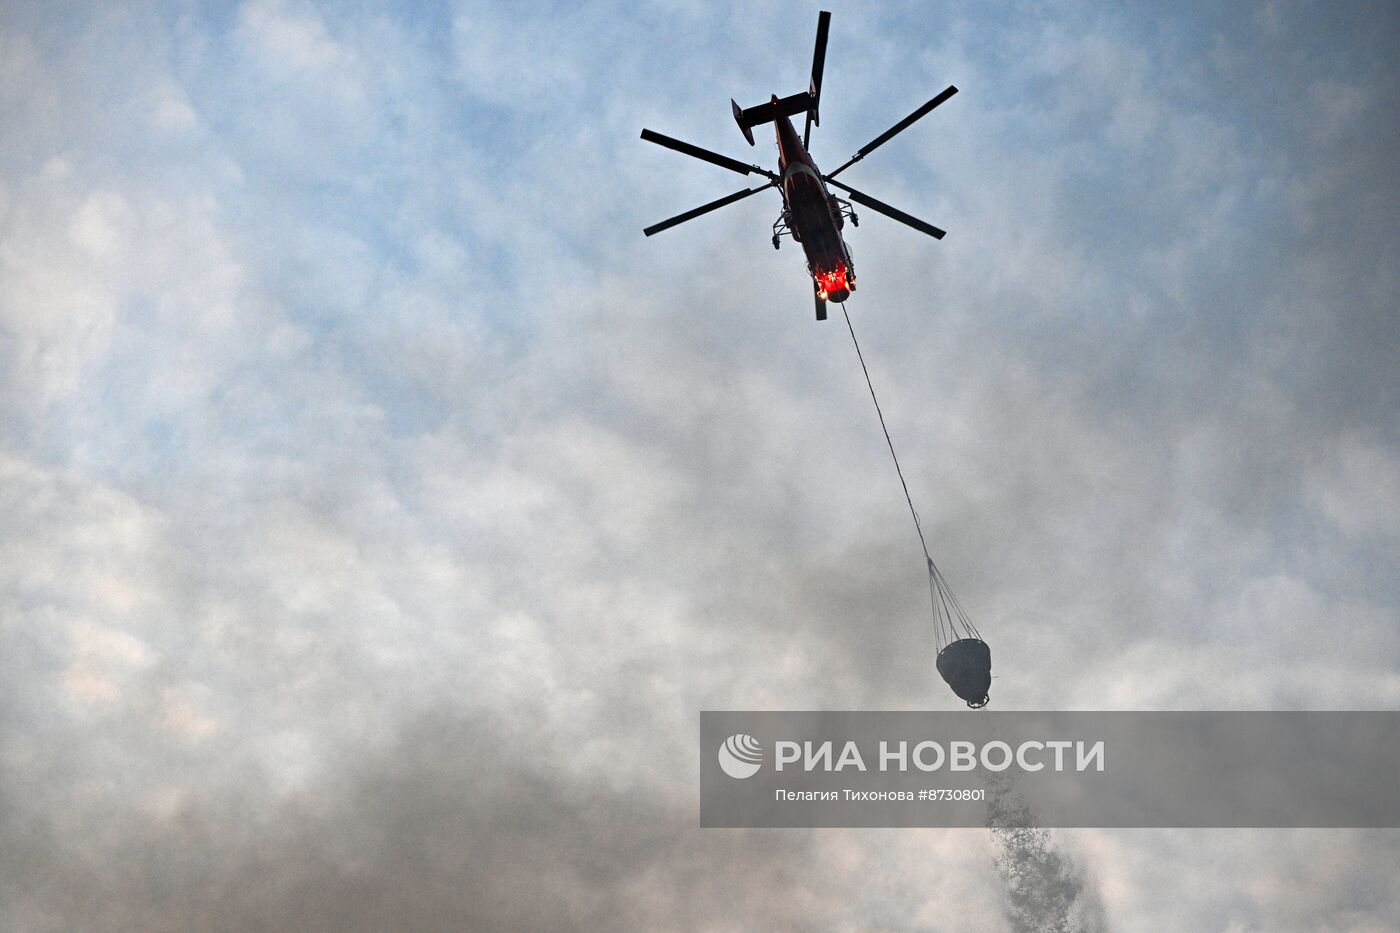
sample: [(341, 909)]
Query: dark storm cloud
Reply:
[(453, 825)]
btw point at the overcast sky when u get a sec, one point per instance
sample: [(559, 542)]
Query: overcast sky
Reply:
[(378, 508)]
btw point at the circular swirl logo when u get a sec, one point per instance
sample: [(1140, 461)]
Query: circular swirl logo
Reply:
[(740, 756)]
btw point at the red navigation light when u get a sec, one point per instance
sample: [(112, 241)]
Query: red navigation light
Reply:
[(833, 285)]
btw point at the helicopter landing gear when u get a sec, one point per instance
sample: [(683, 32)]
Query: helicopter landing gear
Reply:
[(781, 228), (855, 221)]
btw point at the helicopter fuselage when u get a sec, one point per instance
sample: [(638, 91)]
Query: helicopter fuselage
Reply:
[(813, 215)]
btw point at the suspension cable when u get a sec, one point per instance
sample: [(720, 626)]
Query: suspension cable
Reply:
[(947, 611), (893, 456)]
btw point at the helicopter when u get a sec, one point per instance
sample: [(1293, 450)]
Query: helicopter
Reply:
[(811, 214)]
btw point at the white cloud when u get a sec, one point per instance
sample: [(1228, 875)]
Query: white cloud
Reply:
[(294, 41), (171, 110), (1356, 485)]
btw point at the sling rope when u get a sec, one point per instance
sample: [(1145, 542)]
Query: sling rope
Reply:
[(948, 613)]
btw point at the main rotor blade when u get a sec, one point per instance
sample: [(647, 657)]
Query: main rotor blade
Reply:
[(895, 130), (818, 66), (723, 161), (888, 211), (704, 209)]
